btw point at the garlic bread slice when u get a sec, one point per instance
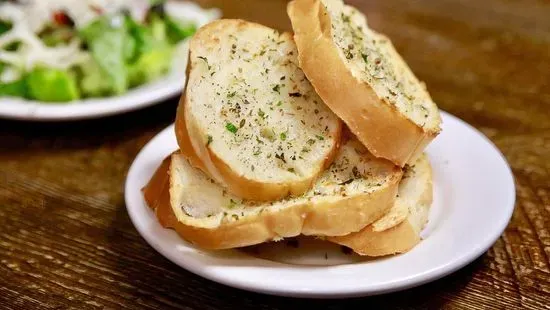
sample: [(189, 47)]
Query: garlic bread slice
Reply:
[(362, 78), (356, 190), (249, 117), (398, 231)]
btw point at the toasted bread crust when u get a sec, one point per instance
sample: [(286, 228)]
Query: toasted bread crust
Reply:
[(182, 137), (329, 218), (377, 124), (397, 239), (195, 148)]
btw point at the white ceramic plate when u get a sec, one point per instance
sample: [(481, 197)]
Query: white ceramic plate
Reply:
[(474, 196), (146, 95)]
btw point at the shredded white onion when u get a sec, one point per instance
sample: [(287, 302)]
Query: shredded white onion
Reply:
[(190, 11)]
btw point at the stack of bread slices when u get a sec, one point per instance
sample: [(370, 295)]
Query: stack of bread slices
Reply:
[(320, 132)]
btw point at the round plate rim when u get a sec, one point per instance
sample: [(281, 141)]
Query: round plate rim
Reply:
[(140, 97), (37, 111), (383, 288)]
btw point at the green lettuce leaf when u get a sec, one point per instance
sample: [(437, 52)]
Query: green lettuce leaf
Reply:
[(178, 31), (107, 39), (14, 89), (52, 85)]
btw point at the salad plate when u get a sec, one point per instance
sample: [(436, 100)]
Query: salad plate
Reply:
[(143, 84), (474, 197), (149, 94)]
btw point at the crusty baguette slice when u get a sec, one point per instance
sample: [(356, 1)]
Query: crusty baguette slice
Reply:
[(354, 191), (399, 230), (249, 118), (363, 79)]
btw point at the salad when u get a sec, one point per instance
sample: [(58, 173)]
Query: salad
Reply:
[(59, 51)]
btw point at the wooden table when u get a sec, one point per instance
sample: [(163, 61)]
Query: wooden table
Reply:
[(66, 240)]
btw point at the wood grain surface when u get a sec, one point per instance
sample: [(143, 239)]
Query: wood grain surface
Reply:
[(66, 241)]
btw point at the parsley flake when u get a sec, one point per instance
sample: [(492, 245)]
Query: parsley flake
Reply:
[(281, 157), (345, 18), (346, 182), (205, 60), (261, 113), (231, 128), (356, 172)]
